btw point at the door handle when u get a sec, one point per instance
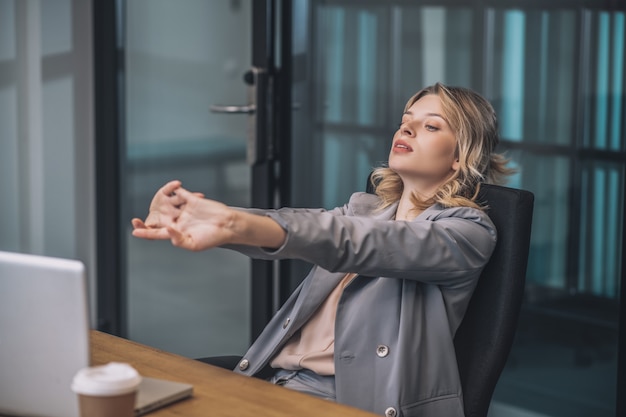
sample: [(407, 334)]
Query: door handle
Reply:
[(231, 109), (257, 146)]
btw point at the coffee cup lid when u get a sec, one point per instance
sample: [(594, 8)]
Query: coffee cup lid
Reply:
[(113, 378)]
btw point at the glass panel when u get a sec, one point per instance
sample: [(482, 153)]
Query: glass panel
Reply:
[(511, 113), (460, 32), (43, 106), (605, 104), (9, 170), (353, 116), (550, 106), (602, 206), (547, 266), (368, 61), (564, 359), (436, 49), (177, 65), (616, 92), (46, 131), (535, 52), (565, 356)]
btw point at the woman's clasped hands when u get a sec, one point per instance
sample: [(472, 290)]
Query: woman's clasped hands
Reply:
[(187, 219), (193, 222)]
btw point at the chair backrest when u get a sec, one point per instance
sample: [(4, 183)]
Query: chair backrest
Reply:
[(484, 338)]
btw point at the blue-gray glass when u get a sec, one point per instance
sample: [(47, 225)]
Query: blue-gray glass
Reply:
[(604, 96), (354, 127), (564, 359), (368, 62), (177, 66), (555, 77), (534, 57), (602, 205), (548, 178)]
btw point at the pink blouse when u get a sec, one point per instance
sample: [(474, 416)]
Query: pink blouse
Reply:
[(313, 346)]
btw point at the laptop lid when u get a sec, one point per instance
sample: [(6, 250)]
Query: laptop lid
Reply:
[(155, 393), (43, 334), (44, 339)]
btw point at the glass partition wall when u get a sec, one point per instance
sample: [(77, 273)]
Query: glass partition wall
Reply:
[(46, 131), (177, 66), (556, 78)]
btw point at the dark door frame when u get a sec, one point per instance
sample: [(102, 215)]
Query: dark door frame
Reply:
[(108, 94), (271, 27)]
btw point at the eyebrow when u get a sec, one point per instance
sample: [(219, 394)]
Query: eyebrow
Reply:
[(410, 113)]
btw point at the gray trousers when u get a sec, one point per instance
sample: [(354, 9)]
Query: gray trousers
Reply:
[(306, 381)]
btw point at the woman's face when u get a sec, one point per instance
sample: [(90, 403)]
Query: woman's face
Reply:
[(423, 149)]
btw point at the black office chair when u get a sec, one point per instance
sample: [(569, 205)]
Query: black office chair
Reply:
[(484, 338)]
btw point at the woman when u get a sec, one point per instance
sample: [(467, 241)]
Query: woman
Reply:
[(372, 325)]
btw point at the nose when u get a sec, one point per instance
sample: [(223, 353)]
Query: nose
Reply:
[(406, 130)]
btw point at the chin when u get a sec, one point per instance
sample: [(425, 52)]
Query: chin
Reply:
[(398, 168)]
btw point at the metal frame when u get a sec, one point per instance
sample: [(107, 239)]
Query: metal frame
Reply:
[(108, 142), (263, 180)]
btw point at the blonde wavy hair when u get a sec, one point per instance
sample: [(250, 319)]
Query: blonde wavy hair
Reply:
[(474, 123)]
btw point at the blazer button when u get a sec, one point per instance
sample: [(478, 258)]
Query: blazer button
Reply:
[(243, 365), (391, 412), (286, 323), (382, 351)]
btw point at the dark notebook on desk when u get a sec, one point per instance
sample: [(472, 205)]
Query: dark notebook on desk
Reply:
[(44, 339)]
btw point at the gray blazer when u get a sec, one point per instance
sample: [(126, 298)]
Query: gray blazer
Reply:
[(395, 323)]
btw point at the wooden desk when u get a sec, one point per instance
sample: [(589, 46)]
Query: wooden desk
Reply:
[(217, 392)]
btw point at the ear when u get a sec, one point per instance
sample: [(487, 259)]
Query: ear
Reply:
[(456, 165)]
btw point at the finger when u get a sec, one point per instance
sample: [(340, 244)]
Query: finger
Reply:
[(178, 239), (151, 234), (138, 223), (171, 187), (175, 236), (179, 198), (186, 195)]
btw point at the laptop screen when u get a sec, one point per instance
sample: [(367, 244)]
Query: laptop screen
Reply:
[(44, 334)]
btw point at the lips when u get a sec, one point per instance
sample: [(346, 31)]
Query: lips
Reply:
[(401, 146)]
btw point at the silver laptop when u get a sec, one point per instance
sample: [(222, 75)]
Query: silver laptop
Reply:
[(44, 339)]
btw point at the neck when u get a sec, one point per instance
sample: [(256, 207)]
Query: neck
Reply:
[(406, 210), (423, 189)]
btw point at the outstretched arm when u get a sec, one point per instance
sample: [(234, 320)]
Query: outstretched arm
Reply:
[(196, 223)]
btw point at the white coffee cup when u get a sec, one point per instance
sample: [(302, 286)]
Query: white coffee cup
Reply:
[(107, 390)]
